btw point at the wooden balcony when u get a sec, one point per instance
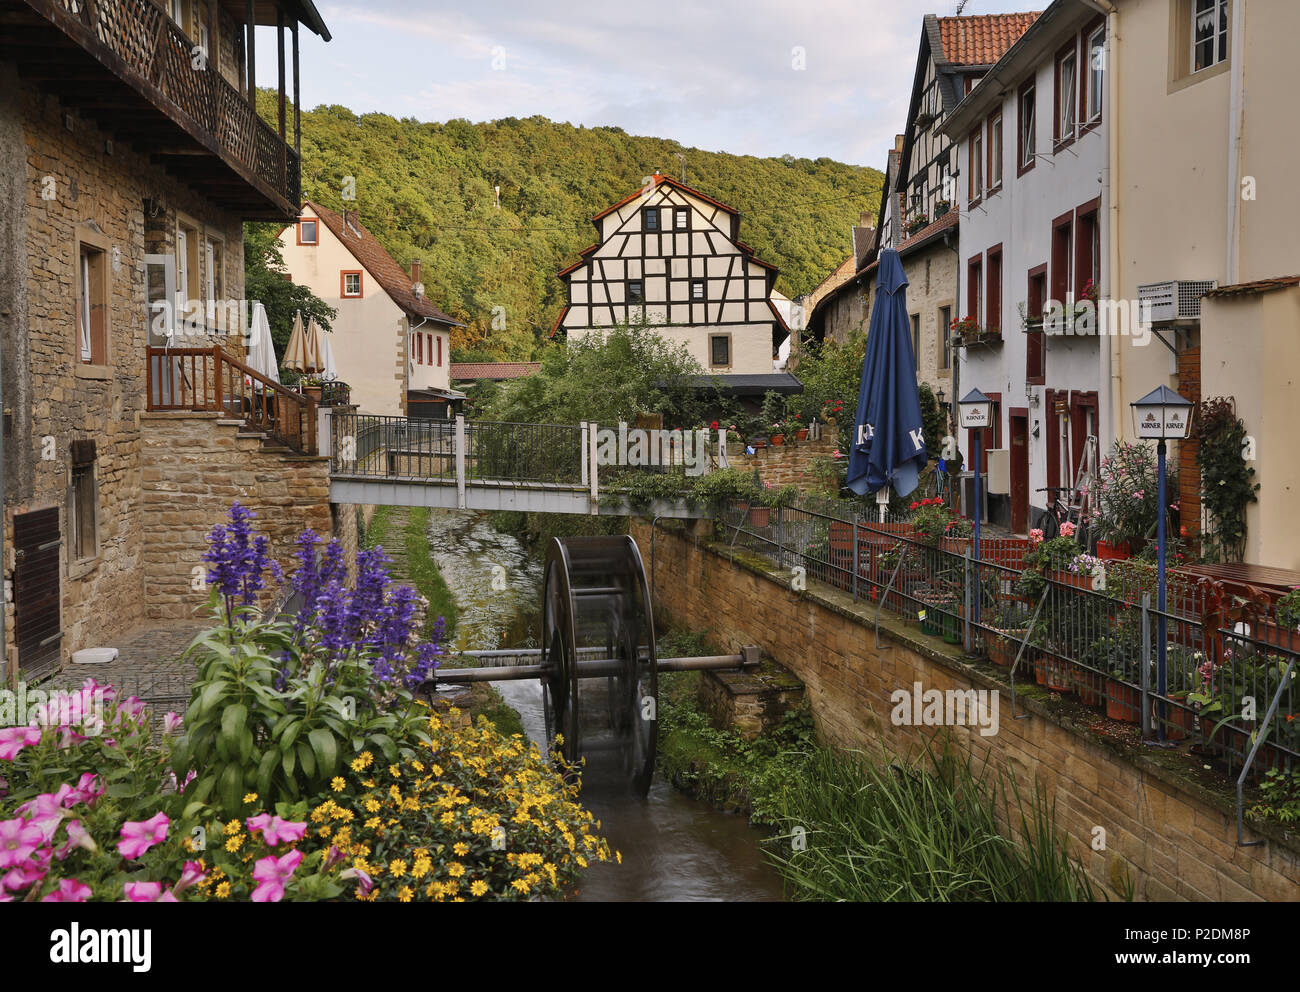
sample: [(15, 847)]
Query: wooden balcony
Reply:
[(126, 65)]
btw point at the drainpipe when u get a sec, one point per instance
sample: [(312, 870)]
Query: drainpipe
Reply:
[(1235, 127), (1113, 372)]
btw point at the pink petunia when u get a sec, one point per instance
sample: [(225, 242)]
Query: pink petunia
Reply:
[(256, 824), (78, 836), (47, 810), (364, 882), (137, 838), (14, 739), (283, 832), (147, 892), (24, 876), (88, 790), (69, 890), (19, 840), (272, 873), (172, 722)]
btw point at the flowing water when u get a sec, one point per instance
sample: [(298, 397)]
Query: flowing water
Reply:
[(674, 848)]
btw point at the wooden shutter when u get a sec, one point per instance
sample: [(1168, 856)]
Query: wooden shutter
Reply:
[(36, 590)]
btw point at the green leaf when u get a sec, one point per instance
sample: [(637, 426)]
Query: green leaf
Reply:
[(307, 759), (265, 769), (327, 751)]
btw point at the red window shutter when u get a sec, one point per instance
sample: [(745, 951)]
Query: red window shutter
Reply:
[(419, 349), (440, 351)]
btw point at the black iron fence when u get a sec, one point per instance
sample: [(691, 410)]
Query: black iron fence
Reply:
[(1084, 627)]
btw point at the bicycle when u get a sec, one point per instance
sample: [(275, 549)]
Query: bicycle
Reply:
[(1060, 510)]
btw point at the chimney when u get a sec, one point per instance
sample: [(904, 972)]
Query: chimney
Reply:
[(898, 143), (867, 219), (415, 271)]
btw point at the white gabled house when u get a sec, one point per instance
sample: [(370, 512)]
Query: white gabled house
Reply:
[(1032, 157), (390, 344), (672, 256)]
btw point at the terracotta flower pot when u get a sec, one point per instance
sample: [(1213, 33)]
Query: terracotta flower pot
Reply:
[(759, 516), (1003, 645), (1123, 702), (1089, 685), (1056, 673), (1179, 723), (841, 536), (1277, 635), (801, 434), (777, 439), (1113, 552)]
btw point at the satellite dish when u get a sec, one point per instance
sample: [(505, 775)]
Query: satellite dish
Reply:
[(418, 290)]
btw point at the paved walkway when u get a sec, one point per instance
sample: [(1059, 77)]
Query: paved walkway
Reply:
[(148, 664)]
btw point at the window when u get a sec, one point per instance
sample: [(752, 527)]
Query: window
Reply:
[(176, 11), (945, 338), (993, 319), (975, 288), (307, 232), (975, 165), (635, 291), (995, 151), (1035, 356), (83, 502), (1062, 257), (916, 342), (1087, 247), (651, 218), (214, 283), (697, 289), (1096, 66), (351, 284), (682, 218), (92, 305), (187, 272), (720, 350), (1026, 129), (1209, 33), (1066, 85)]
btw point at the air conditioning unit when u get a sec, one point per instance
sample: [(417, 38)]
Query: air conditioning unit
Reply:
[(1178, 299)]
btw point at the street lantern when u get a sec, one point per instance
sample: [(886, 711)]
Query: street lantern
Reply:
[(975, 412), (1161, 415)]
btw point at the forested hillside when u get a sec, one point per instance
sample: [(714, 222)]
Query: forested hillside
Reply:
[(426, 191)]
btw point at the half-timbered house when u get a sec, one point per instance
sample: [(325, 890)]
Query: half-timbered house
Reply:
[(671, 257)]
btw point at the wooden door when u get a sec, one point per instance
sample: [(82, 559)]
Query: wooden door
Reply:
[(1019, 425), (36, 590)]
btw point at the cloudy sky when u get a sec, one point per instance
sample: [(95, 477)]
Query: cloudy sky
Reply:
[(714, 74)]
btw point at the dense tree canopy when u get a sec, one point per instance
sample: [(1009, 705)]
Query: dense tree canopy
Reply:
[(427, 191)]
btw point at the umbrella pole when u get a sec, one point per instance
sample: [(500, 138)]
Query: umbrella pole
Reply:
[(882, 501)]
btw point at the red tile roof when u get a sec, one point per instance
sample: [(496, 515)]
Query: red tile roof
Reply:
[(1258, 286), (493, 370), (982, 39), (367, 250)]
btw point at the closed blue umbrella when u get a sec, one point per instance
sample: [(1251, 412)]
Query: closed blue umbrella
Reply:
[(888, 447)]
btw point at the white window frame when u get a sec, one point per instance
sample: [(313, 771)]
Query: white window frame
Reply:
[(995, 151), (1096, 73), (87, 348), (1028, 126), (1068, 122), (1218, 11)]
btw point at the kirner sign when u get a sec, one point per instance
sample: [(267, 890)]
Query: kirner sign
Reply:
[(1173, 423), (974, 415)]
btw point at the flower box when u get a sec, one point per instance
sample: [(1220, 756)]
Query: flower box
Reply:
[(1079, 580), (760, 516), (1090, 686), (1277, 635), (841, 536), (1053, 671), (956, 545)]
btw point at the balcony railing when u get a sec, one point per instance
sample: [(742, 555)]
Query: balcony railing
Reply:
[(209, 380), (139, 43)]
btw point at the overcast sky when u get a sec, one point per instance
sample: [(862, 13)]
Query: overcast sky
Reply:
[(712, 74)]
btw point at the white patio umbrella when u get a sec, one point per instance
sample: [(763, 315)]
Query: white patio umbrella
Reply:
[(261, 349), (328, 369)]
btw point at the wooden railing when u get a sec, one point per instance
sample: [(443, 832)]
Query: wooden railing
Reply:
[(208, 379), (136, 39)]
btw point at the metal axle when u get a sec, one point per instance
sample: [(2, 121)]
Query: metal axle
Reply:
[(746, 660)]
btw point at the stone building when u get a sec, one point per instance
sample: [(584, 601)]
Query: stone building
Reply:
[(131, 152)]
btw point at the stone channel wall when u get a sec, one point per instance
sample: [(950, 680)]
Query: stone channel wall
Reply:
[(1170, 834), (786, 464)]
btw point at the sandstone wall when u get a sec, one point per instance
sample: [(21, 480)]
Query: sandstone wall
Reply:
[(783, 465), (1172, 835), (196, 466)]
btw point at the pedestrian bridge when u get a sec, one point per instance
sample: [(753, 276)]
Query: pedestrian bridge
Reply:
[(475, 465)]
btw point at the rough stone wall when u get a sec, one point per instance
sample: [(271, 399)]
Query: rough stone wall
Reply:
[(1171, 840), (87, 189), (196, 466), (347, 531), (783, 465)]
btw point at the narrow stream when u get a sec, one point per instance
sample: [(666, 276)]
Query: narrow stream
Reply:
[(674, 848)]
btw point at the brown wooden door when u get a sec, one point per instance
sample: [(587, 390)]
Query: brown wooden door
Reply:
[(36, 590), (1019, 425)]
